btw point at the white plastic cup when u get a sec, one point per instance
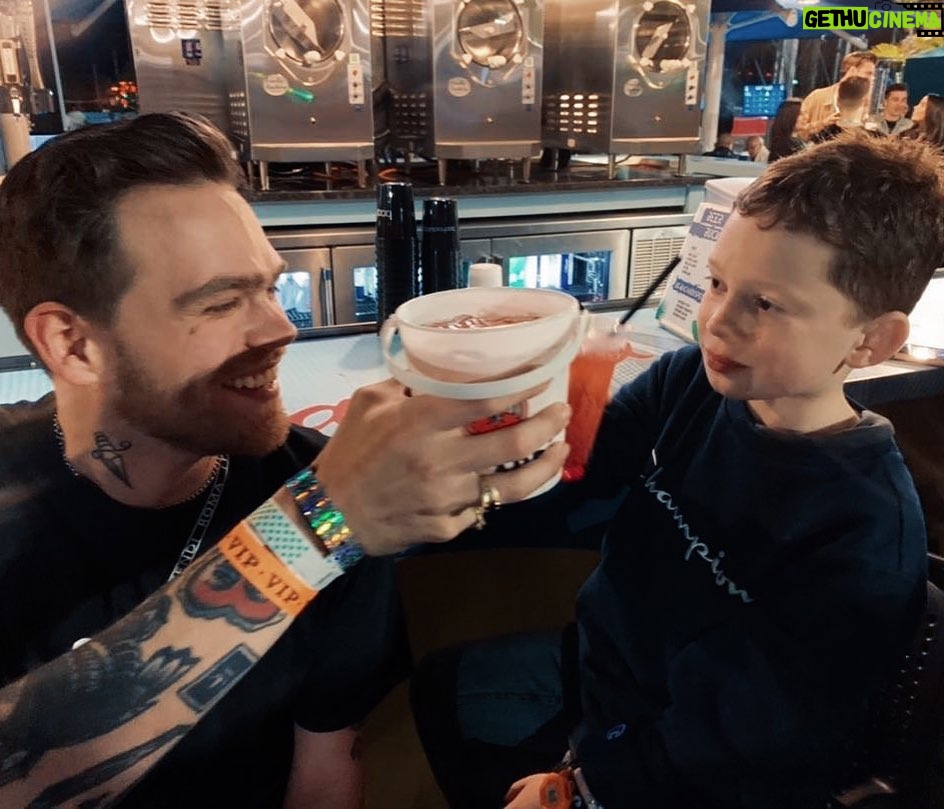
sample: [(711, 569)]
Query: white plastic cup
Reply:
[(492, 361), (485, 275)]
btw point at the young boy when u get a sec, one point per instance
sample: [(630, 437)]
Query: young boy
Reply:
[(765, 566)]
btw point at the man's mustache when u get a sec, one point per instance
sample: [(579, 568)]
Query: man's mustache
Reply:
[(253, 361)]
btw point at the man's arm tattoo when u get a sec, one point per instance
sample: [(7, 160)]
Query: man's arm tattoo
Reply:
[(57, 794), (216, 590), (89, 692)]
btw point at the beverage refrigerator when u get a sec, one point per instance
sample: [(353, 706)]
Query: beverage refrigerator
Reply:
[(330, 284)]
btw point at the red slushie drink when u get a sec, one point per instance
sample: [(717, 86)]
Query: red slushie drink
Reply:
[(588, 392)]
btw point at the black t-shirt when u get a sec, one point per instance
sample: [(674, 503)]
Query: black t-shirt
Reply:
[(73, 561)]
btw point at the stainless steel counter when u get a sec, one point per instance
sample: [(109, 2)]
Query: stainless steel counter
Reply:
[(303, 199)]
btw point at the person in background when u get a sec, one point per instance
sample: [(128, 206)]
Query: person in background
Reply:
[(820, 109), (757, 149), (137, 273), (891, 120), (781, 138), (724, 146), (850, 99), (928, 117), (764, 563)]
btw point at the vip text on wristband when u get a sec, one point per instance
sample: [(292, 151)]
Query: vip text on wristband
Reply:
[(265, 571)]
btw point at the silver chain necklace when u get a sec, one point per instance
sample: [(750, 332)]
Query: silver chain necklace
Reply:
[(216, 482)]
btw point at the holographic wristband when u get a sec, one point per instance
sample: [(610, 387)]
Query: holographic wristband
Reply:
[(326, 521), (291, 545)]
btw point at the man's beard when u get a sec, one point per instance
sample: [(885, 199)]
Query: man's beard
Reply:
[(193, 417)]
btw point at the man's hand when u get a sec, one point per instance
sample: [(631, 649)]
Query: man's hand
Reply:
[(404, 469), (835, 118)]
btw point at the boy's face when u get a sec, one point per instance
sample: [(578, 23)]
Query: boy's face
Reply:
[(772, 328)]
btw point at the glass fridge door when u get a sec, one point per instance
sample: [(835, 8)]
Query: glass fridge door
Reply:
[(590, 266), (355, 278), (304, 288), (355, 283)]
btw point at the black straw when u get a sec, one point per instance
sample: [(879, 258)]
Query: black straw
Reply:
[(643, 299)]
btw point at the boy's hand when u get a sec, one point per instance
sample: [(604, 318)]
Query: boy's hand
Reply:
[(546, 790)]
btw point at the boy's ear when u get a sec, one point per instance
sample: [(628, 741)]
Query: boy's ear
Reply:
[(66, 343), (881, 338)]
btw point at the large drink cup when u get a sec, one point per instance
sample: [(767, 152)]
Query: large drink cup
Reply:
[(396, 248), (439, 255), (492, 360)]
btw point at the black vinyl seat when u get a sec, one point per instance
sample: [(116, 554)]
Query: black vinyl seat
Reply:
[(902, 756)]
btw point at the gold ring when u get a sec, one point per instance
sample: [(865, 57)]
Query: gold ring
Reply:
[(489, 496), (479, 518)]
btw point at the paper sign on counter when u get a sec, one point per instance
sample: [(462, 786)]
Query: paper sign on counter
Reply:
[(678, 309)]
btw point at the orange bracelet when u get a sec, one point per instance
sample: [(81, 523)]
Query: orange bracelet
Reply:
[(265, 571)]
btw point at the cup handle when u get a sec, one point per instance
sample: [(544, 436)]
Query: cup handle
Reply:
[(387, 332), (394, 358)]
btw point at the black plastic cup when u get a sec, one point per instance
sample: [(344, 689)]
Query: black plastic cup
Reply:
[(396, 246), (440, 256)]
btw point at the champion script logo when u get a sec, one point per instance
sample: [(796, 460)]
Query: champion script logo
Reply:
[(695, 547)]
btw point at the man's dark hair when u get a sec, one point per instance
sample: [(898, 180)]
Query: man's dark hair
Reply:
[(897, 87), (847, 193), (58, 233)]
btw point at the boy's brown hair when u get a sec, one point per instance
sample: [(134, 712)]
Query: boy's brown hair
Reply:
[(878, 201)]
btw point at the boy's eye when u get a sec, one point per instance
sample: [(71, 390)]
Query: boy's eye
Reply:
[(272, 291), (764, 304)]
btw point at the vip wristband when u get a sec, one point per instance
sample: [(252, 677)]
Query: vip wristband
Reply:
[(326, 521), (293, 546), (261, 568)]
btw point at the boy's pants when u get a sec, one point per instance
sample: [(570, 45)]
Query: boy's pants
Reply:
[(494, 711)]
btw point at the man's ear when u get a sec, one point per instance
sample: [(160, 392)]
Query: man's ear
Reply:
[(68, 345), (881, 338)]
